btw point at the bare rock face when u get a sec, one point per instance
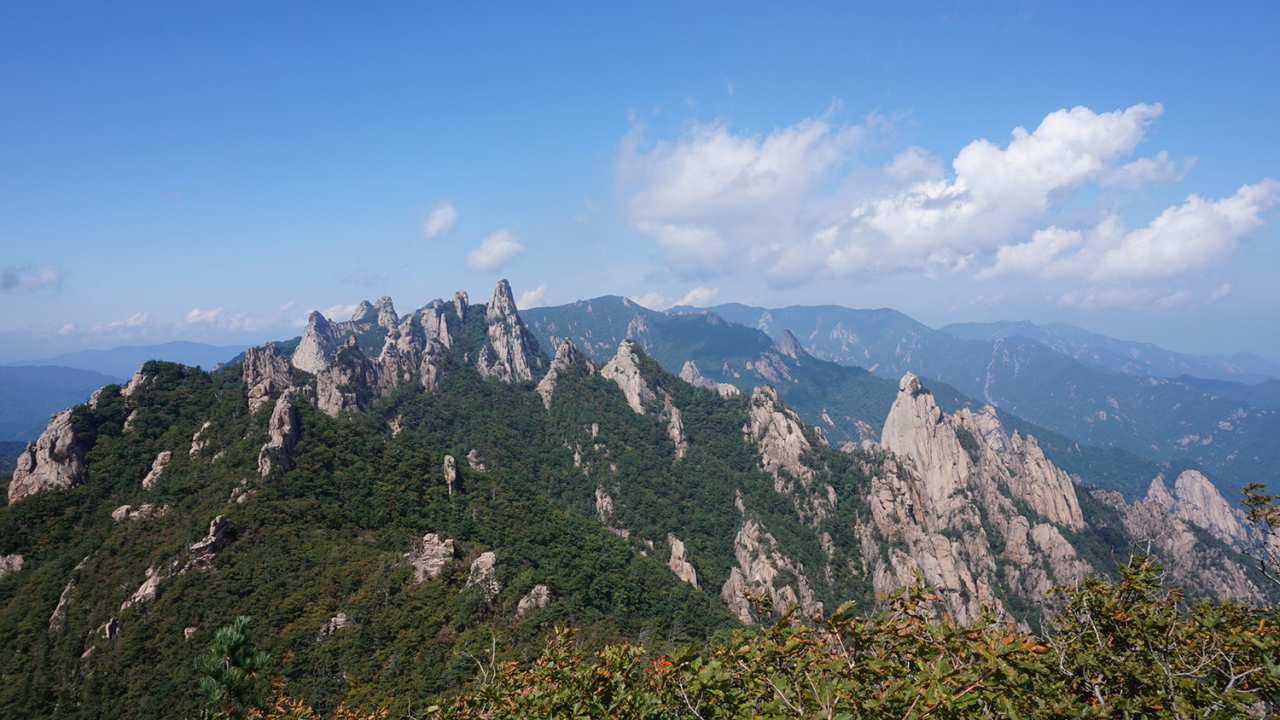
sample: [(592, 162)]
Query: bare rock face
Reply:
[(566, 355), (54, 461), (139, 380), (763, 568), (157, 467), (266, 373), (10, 564), (786, 344), (460, 301), (318, 345), (780, 437), (536, 599), (1195, 500), (339, 384), (415, 347), (484, 575), (692, 375), (679, 562), (1196, 568), (473, 461), (624, 370), (429, 555), (141, 512), (949, 482), (451, 473), (387, 317), (513, 357), (282, 430), (675, 425)]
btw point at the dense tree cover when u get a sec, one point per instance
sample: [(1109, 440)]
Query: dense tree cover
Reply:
[(1130, 648)]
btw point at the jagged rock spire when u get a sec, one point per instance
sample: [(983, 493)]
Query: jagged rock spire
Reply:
[(566, 355), (513, 358), (317, 347), (387, 317)]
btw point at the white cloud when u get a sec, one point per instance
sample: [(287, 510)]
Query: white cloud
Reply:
[(17, 280), (532, 298), (1189, 236), (794, 206), (205, 317), (494, 251), (697, 297), (442, 219)]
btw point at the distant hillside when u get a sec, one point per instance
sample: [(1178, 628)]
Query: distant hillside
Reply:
[(29, 395), (1161, 419), (9, 451), (124, 361), (1130, 358)]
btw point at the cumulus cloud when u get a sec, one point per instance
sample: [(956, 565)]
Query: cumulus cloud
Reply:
[(494, 251), (794, 205), (441, 220), (17, 280), (532, 298), (340, 312)]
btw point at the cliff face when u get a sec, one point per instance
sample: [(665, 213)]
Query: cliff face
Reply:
[(54, 460)]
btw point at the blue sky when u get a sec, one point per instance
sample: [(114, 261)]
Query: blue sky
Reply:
[(213, 171)]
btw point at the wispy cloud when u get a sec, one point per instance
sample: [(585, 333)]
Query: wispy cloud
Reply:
[(532, 298), (495, 251), (442, 219), (17, 280), (697, 297)]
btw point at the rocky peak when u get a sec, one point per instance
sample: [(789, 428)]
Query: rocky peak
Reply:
[(54, 460), (787, 344), (566, 355), (692, 375), (282, 435), (365, 314), (139, 380), (316, 349), (513, 357), (624, 369), (916, 429), (429, 554), (1195, 500), (387, 317), (460, 300)]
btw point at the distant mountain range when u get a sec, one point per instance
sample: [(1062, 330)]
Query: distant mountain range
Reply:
[(124, 361), (1130, 358), (29, 395), (1227, 427)]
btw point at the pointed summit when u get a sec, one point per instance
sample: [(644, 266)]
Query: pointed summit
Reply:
[(788, 345), (501, 305), (387, 317), (317, 347), (513, 357), (365, 313)]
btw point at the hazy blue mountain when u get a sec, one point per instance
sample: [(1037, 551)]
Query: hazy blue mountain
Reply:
[(29, 395), (1158, 418), (9, 452), (1264, 394), (125, 360), (1130, 358)]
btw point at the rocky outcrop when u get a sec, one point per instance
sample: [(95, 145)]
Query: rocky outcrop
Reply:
[(679, 561), (513, 357), (780, 437), (536, 599), (624, 369), (198, 556), (266, 373), (1196, 500), (473, 461), (692, 375), (451, 474), (566, 355), (484, 575), (59, 615), (387, 317), (460, 301), (318, 346), (54, 461), (947, 501), (198, 441), (763, 568), (282, 433), (140, 380), (786, 344), (157, 467), (10, 563), (1198, 569), (341, 384), (415, 348), (429, 554), (141, 512), (336, 623)]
